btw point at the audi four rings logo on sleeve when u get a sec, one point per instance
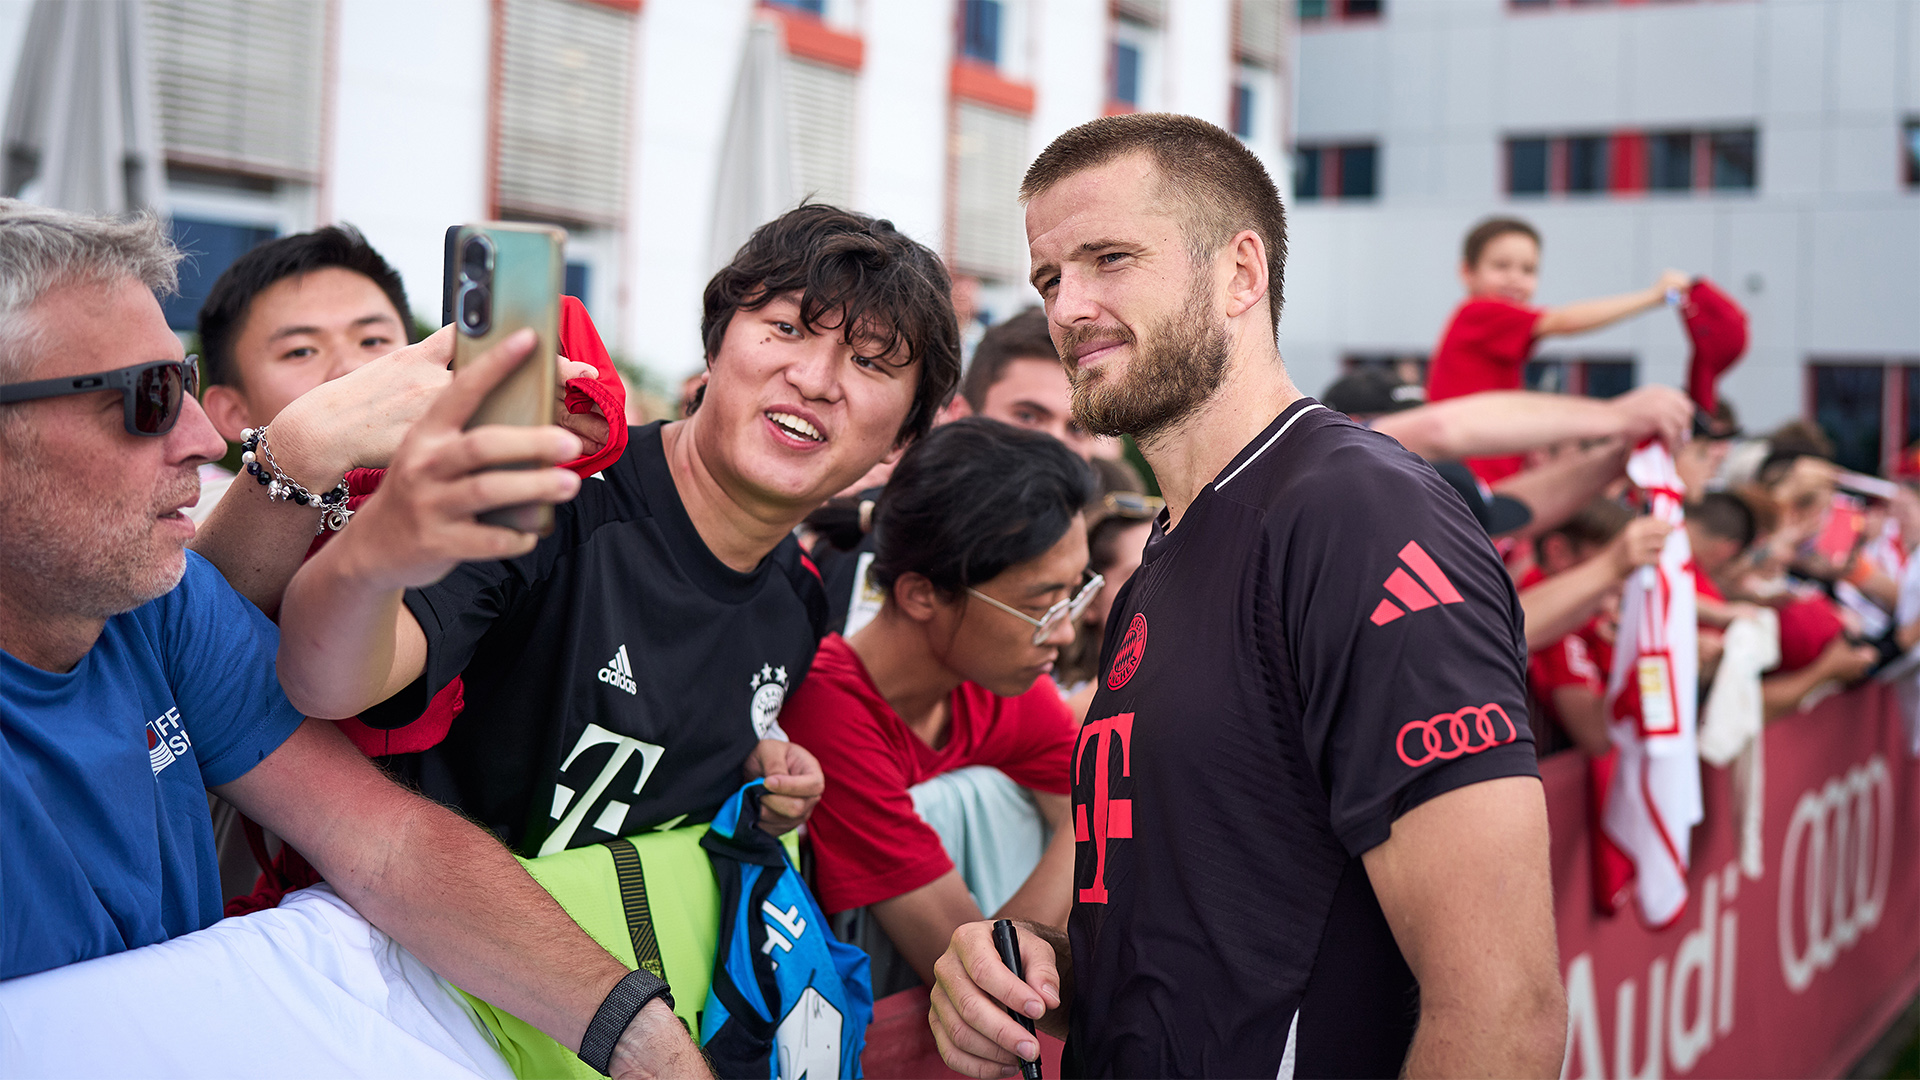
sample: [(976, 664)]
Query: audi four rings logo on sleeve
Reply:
[(1448, 735)]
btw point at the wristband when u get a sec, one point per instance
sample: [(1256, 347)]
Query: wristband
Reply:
[(623, 1003)]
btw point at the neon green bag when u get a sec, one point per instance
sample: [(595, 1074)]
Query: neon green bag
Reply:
[(651, 901)]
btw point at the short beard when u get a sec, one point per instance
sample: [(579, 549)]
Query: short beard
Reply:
[(83, 558), (1176, 370)]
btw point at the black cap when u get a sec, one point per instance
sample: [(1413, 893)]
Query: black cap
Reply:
[(1372, 391), (1497, 514)]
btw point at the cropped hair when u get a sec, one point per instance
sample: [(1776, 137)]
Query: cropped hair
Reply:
[(1023, 337), (1594, 524), (973, 498), (854, 272), (1215, 186), (1490, 230), (253, 273), (42, 249), (1727, 516)]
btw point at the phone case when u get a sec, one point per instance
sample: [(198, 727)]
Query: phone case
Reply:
[(527, 276)]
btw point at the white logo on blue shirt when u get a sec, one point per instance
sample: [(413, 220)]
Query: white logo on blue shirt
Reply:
[(166, 739)]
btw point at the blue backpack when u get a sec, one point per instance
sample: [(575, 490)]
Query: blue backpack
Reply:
[(788, 1000)]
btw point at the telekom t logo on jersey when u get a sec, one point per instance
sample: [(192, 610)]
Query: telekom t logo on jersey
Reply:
[(1408, 591), (1112, 818)]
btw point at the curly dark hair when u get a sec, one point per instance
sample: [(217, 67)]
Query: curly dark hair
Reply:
[(852, 271)]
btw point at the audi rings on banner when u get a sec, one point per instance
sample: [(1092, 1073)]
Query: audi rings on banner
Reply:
[(1835, 868)]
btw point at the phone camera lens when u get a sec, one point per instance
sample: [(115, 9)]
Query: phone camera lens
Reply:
[(476, 259), (476, 309)]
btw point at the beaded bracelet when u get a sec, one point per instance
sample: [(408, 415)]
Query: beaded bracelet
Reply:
[(333, 504)]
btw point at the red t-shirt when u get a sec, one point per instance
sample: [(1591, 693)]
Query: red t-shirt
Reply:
[(1484, 347), (868, 842)]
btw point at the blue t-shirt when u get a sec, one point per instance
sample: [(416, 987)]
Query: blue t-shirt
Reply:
[(105, 840)]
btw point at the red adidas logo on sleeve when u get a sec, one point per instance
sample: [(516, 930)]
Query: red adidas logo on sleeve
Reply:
[(1408, 591)]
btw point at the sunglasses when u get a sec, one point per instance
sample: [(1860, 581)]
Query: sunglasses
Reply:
[(1044, 626), (152, 392)]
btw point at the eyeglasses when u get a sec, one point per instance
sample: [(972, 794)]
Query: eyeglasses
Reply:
[(1044, 626), (152, 392)]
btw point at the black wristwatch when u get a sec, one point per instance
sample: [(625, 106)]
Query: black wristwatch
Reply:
[(623, 1003)]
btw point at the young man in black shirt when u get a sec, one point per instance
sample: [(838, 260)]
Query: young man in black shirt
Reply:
[(1313, 839), (622, 671)]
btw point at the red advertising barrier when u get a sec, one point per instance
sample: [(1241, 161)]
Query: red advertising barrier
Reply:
[(1792, 973)]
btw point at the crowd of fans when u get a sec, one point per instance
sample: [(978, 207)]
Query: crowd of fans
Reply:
[(898, 637)]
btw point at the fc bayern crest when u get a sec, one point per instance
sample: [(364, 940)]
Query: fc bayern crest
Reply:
[(769, 693), (1132, 648)]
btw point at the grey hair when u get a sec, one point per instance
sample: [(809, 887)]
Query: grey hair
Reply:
[(43, 249)]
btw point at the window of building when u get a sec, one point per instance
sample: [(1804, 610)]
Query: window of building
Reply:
[(1589, 376), (237, 85), (1870, 409), (1670, 161), (1346, 171), (1357, 180), (1133, 65), (579, 279), (565, 76), (210, 247), (980, 30), (1242, 110), (811, 7), (1732, 157), (1586, 164), (1306, 173), (1324, 10), (1126, 74), (1911, 138), (1527, 166), (1631, 162)]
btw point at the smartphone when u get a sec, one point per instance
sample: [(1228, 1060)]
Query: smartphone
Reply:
[(501, 277)]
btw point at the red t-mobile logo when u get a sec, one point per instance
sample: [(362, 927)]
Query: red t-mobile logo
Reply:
[(1112, 818)]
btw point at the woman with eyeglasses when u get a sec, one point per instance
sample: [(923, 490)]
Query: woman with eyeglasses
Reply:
[(982, 556)]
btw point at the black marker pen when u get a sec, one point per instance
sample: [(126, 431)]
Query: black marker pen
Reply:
[(1008, 942)]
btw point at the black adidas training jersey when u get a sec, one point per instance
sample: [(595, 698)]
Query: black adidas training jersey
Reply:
[(1325, 641), (617, 676)]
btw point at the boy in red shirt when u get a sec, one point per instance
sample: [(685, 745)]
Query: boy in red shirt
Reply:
[(982, 554), (1491, 334)]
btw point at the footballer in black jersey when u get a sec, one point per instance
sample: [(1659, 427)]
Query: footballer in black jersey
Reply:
[(1311, 837), (1326, 641)]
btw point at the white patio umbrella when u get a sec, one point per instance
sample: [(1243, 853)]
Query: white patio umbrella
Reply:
[(755, 182), (80, 118)]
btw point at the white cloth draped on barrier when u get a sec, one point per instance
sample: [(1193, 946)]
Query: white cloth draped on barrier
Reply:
[(1654, 800), (308, 989), (1732, 724)]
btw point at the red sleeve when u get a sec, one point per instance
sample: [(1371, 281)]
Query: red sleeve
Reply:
[(1031, 739), (869, 844), (1485, 347), (1567, 662)]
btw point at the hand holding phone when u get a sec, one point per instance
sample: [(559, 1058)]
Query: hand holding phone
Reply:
[(501, 278)]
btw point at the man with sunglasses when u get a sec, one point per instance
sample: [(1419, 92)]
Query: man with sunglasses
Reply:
[(982, 555), (133, 679)]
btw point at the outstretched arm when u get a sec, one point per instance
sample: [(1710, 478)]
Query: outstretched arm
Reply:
[(1464, 883), (450, 894), (1584, 315), (354, 421), (1564, 602), (1501, 422), (346, 641)]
